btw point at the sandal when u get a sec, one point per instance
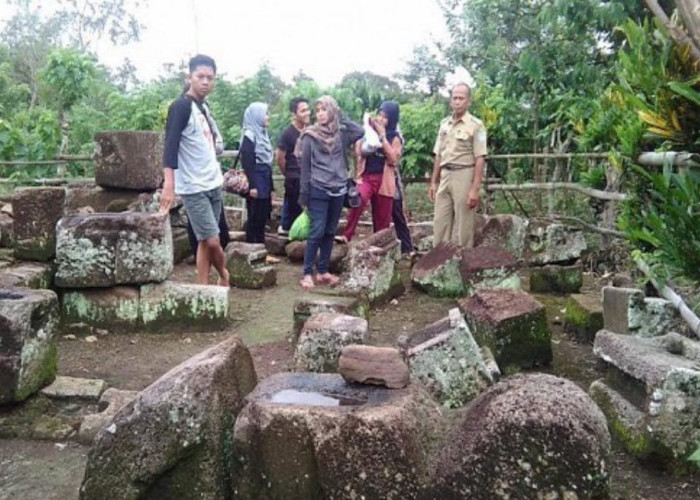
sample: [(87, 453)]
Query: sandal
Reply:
[(307, 283), (328, 279)]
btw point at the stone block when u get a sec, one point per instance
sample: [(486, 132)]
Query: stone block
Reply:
[(314, 303), (234, 218), (512, 325), (36, 212), (98, 199), (583, 317), (552, 243), (650, 395), (129, 160), (323, 337), (174, 439), (339, 440), (247, 268), (28, 342), (102, 250), (626, 310), (529, 436), (172, 306), (27, 275), (372, 268), (365, 364), (111, 401), (451, 271), (89, 389), (556, 279), (505, 231), (7, 233), (115, 309), (276, 244), (446, 359), (181, 245)]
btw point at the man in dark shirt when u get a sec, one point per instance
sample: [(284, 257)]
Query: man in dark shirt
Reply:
[(301, 116)]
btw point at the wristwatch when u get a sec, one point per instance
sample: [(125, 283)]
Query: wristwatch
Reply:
[(381, 138)]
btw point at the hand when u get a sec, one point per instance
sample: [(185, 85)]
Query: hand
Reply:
[(378, 127), (473, 199), (358, 181), (253, 193), (431, 192), (167, 197)]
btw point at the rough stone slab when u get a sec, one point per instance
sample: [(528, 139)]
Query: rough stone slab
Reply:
[(512, 324), (115, 309), (556, 279), (373, 365), (28, 341), (7, 233), (98, 199), (314, 303), (583, 317), (27, 275), (446, 359), (501, 231), (374, 450), (323, 337), (101, 250), (75, 388), (129, 160), (234, 218), (276, 244), (181, 245), (36, 212), (529, 436), (111, 401), (626, 310), (246, 266), (552, 243), (451, 271), (173, 439), (183, 306), (372, 267), (624, 419)]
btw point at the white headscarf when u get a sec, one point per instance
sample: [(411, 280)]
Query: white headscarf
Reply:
[(253, 129)]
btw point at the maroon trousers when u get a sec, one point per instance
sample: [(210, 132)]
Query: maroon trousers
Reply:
[(382, 206)]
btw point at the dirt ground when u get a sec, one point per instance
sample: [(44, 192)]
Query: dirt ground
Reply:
[(31, 468)]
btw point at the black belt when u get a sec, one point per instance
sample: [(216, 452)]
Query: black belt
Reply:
[(456, 167)]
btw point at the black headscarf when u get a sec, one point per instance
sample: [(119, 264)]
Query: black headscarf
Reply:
[(391, 110)]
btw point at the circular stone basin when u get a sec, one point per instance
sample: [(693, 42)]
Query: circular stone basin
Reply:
[(295, 397)]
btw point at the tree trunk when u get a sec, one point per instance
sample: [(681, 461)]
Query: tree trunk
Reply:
[(689, 10), (677, 33), (65, 130)]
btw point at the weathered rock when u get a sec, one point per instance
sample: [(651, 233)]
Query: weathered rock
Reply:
[(75, 388), (100, 250), (371, 444), (111, 401), (295, 251), (626, 310), (115, 309), (129, 160), (556, 279), (512, 325), (323, 337), (28, 341), (373, 365), (234, 218), (529, 437), (311, 304), (181, 245), (99, 199), (247, 268), (422, 236), (551, 243), (27, 275), (372, 268), (7, 233), (172, 306), (650, 395), (52, 428), (276, 244), (446, 359), (6, 209), (501, 231), (173, 439), (36, 212), (583, 317), (451, 271)]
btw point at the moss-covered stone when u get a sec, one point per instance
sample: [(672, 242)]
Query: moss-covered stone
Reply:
[(556, 279), (329, 302), (37, 275), (322, 339), (36, 212), (583, 317), (114, 309), (246, 266)]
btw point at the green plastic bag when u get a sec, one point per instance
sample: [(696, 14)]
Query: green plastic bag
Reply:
[(301, 228)]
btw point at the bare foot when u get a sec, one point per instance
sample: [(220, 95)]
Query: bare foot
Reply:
[(307, 283), (328, 279), (224, 280)]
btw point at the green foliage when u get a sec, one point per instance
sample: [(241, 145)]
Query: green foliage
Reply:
[(419, 124), (32, 134), (594, 177), (664, 221), (70, 74)]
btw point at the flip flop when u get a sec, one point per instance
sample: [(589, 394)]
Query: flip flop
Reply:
[(330, 280), (307, 283)]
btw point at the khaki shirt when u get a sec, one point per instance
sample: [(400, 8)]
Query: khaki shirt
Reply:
[(460, 142)]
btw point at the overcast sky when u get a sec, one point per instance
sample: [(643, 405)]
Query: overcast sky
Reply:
[(325, 38)]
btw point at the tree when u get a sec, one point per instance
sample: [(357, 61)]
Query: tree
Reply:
[(424, 71)]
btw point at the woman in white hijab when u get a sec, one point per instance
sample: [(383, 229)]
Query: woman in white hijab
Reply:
[(256, 158)]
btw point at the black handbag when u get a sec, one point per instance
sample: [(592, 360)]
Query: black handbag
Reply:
[(352, 197)]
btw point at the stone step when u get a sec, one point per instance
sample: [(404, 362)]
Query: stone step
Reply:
[(584, 316)]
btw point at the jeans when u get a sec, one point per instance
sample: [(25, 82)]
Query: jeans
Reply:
[(381, 205), (324, 211), (290, 208)]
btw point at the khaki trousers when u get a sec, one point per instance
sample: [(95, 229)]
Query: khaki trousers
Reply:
[(453, 220)]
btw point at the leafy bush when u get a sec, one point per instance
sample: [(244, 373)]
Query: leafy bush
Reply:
[(419, 124)]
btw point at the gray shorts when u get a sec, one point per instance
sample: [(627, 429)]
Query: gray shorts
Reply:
[(203, 211)]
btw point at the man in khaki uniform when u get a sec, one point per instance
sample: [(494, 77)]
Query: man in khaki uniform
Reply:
[(458, 170)]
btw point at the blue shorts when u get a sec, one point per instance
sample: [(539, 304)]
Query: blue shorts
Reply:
[(203, 211)]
